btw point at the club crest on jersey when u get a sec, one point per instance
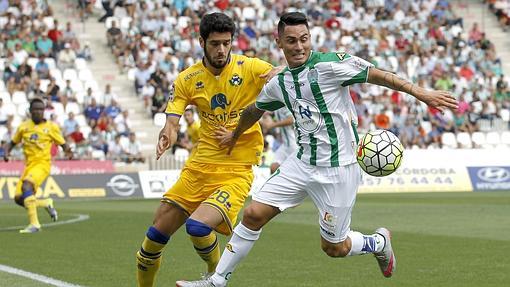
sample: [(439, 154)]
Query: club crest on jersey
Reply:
[(307, 115), (341, 56), (219, 101), (199, 85), (236, 80), (313, 76), (34, 137)]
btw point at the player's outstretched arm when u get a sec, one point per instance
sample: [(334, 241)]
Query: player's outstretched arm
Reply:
[(7, 150), (167, 135), (437, 99), (249, 117), (273, 72), (67, 151)]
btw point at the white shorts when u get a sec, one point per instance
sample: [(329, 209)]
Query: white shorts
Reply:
[(332, 189), (283, 152)]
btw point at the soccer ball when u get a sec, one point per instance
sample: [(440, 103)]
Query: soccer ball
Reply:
[(379, 153)]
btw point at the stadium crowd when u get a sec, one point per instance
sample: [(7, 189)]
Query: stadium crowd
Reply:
[(424, 41), (152, 41), (40, 58)]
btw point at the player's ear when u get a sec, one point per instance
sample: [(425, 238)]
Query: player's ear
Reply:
[(278, 42), (202, 41)]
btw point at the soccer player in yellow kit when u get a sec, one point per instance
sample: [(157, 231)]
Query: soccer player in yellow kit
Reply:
[(212, 186), (37, 135)]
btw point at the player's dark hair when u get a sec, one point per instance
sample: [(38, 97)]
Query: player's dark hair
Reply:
[(36, 100), (216, 22), (292, 19)]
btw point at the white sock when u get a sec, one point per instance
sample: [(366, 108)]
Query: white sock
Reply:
[(237, 248), (363, 244)]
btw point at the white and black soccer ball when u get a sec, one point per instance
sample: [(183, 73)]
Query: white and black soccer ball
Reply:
[(379, 153)]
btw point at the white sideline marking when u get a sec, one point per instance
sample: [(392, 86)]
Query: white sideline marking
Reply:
[(36, 277), (79, 217)]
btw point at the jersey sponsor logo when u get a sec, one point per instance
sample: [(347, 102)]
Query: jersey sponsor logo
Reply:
[(191, 75), (219, 101), (307, 115), (199, 85), (236, 80), (239, 63), (223, 118)]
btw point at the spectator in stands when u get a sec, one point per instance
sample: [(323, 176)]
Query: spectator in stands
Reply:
[(87, 98), (66, 57), (115, 149), (85, 52), (113, 34), (53, 91), (70, 124), (55, 36), (41, 68), (108, 7), (113, 110), (158, 102), (133, 149), (92, 112), (475, 34), (96, 140), (123, 123), (20, 55), (68, 36), (45, 45), (142, 76)]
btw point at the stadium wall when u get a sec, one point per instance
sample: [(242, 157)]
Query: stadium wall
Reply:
[(458, 170)]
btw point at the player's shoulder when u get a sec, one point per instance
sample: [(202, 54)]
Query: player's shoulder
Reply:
[(321, 57), (25, 124), (242, 60), (191, 72)]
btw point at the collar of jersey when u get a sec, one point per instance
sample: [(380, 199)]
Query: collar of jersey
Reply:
[(299, 69)]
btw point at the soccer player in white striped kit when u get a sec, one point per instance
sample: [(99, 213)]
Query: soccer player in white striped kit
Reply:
[(314, 88)]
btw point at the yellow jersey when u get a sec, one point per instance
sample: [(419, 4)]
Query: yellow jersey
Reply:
[(37, 140), (193, 132), (220, 101)]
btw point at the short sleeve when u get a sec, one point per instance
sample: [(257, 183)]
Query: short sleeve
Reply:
[(270, 97), (16, 138), (56, 135), (350, 70), (178, 99)]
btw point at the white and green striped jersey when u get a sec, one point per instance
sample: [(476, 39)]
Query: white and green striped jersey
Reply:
[(287, 132), (317, 95)]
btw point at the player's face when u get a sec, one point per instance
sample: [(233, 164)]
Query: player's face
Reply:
[(37, 112), (217, 48), (296, 44), (188, 116)]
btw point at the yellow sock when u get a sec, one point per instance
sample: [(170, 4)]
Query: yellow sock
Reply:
[(148, 258), (208, 249), (43, 202), (31, 206)]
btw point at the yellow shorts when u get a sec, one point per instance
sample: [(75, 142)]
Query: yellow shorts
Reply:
[(36, 173), (223, 187)]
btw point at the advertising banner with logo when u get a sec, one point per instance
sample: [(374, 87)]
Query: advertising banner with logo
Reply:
[(490, 178), (15, 168), (80, 186)]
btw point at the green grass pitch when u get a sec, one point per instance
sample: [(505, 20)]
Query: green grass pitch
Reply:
[(440, 239)]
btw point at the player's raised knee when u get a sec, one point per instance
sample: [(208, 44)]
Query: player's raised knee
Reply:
[(335, 249), (197, 228), (254, 218)]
